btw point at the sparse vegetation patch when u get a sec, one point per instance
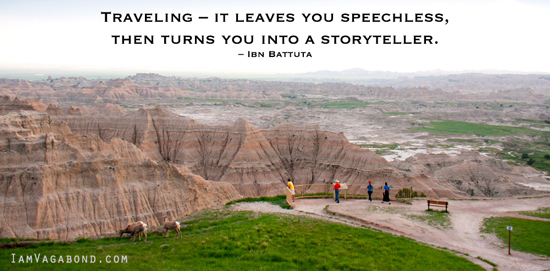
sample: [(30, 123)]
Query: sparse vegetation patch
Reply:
[(434, 218)]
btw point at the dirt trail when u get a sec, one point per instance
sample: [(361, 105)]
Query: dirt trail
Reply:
[(462, 235)]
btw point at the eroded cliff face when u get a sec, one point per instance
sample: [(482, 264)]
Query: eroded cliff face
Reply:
[(256, 162), (472, 174), (58, 185)]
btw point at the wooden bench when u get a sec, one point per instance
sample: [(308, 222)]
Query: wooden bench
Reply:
[(438, 203)]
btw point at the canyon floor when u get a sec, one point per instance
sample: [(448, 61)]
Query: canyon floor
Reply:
[(461, 234)]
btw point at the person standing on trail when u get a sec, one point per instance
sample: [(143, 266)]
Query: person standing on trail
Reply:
[(291, 187), (386, 193), (369, 190), (336, 191)]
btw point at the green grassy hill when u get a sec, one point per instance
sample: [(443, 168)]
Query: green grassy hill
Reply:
[(224, 240)]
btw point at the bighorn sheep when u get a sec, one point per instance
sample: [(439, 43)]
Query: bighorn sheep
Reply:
[(172, 225), (139, 230), (130, 228)]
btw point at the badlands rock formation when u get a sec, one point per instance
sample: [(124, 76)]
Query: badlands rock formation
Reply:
[(11, 103), (66, 173), (472, 174), (155, 87), (257, 162), (58, 185)]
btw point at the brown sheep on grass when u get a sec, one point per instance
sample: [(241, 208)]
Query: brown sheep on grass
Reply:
[(139, 230), (172, 225), (130, 228)]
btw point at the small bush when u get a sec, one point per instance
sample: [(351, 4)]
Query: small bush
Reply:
[(289, 95), (530, 162), (266, 105), (406, 193), (524, 156)]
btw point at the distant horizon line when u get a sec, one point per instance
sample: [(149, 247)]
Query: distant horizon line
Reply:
[(36, 74)]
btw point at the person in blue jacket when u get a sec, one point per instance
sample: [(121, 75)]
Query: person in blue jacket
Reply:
[(386, 193), (369, 190)]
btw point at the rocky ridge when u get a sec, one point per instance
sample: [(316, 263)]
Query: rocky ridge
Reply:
[(257, 162), (155, 87), (59, 185)]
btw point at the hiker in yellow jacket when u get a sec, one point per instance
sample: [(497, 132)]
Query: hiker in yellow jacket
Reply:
[(291, 187)]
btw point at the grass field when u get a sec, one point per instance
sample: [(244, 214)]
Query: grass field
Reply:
[(345, 104), (470, 128), (379, 146), (395, 113), (529, 236), (223, 240), (540, 212)]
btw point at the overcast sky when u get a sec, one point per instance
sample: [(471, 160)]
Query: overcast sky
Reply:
[(44, 36)]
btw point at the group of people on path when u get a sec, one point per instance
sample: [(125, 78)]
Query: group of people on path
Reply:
[(337, 186)]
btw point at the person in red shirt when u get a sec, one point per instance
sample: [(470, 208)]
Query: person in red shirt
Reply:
[(337, 190)]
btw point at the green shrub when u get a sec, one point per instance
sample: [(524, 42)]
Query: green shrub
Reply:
[(406, 193), (266, 105), (289, 95)]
